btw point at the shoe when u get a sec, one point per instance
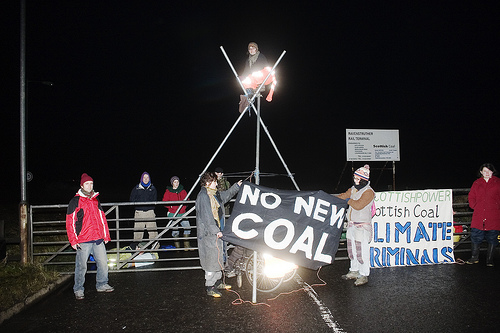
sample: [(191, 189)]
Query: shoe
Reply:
[(212, 291), (472, 261), (222, 286), (361, 280), (105, 289), (79, 294), (352, 275), (230, 274)]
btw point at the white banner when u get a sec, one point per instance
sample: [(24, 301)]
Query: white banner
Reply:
[(412, 228), (372, 145)]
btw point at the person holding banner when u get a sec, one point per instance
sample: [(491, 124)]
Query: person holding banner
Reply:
[(210, 223), (360, 198), (484, 199)]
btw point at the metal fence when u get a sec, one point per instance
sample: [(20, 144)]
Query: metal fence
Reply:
[(49, 244)]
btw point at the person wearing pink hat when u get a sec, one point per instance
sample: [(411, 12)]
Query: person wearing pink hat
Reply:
[(360, 198), (88, 231)]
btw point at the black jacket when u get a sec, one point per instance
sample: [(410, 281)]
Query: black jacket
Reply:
[(142, 194)]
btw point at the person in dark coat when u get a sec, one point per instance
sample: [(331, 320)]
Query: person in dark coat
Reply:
[(145, 217), (210, 224), (484, 198), (256, 62)]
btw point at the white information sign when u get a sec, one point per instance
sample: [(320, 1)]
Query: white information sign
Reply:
[(372, 145)]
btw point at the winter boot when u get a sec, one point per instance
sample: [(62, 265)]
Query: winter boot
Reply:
[(475, 254), (177, 244), (352, 275), (490, 254), (186, 244), (212, 291)]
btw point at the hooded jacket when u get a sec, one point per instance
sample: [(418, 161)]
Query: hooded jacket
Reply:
[(85, 219)]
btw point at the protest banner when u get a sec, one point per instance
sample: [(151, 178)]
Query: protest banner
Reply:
[(412, 228), (303, 227)]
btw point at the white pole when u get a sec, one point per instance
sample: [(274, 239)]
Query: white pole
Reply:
[(215, 154)]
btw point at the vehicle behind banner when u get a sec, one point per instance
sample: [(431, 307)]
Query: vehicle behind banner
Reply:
[(303, 227), (412, 228)]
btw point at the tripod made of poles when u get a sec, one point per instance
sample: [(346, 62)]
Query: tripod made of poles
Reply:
[(251, 97), (251, 106)]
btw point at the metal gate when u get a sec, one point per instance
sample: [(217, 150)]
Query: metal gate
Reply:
[(49, 243)]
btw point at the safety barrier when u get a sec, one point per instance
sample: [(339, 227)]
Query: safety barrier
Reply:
[(49, 245)]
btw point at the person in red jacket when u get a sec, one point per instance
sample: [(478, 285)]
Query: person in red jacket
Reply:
[(484, 198), (88, 231), (176, 192)]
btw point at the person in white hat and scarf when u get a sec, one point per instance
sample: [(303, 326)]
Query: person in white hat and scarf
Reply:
[(360, 198)]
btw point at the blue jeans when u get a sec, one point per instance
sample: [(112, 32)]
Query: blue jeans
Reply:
[(82, 256), (477, 236), (185, 224)]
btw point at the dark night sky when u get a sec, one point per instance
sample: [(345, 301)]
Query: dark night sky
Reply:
[(144, 86)]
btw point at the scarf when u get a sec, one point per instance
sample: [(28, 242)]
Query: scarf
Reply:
[(214, 204), (143, 183), (87, 194), (362, 183), (176, 190), (253, 58)]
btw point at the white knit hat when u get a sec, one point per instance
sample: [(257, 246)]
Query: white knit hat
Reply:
[(363, 172)]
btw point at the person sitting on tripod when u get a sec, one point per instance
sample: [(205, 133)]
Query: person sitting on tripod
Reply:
[(256, 62)]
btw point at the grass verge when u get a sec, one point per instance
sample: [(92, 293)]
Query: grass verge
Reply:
[(22, 281)]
